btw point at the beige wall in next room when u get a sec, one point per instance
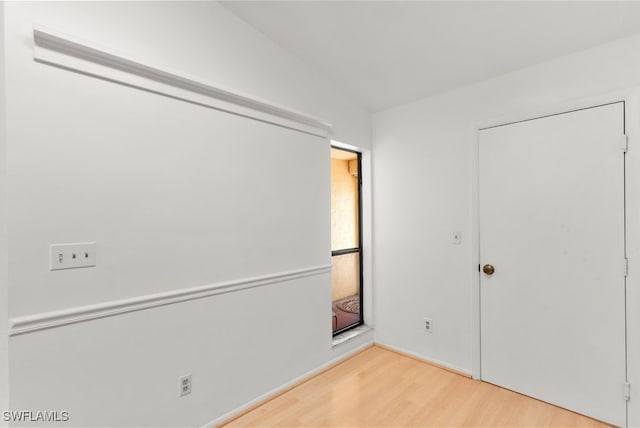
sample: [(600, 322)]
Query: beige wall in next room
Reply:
[(344, 229)]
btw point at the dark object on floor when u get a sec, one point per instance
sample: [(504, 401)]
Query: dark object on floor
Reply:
[(350, 304), (342, 318)]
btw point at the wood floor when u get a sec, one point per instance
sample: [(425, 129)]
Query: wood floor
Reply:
[(380, 388)]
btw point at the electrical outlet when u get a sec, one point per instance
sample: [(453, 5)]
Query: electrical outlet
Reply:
[(72, 256), (185, 385), (428, 325)]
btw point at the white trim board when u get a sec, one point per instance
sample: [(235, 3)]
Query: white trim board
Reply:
[(429, 360), (32, 323), (54, 48)]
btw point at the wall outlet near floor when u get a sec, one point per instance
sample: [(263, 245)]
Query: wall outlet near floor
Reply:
[(185, 385), (428, 325)]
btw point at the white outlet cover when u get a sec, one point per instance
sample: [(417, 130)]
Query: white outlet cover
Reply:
[(428, 325), (72, 256), (184, 382)]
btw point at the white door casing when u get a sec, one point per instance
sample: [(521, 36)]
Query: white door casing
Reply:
[(551, 215)]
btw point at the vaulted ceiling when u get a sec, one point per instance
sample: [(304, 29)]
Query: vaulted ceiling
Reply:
[(386, 53)]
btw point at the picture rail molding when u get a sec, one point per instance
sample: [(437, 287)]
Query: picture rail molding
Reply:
[(54, 48)]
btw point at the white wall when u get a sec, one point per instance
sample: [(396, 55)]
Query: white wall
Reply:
[(176, 195), (423, 192), (4, 293)]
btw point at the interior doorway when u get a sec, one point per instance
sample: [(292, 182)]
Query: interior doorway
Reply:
[(346, 239)]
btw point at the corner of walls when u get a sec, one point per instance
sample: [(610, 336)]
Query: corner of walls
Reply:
[(4, 295), (423, 193), (367, 238), (351, 122)]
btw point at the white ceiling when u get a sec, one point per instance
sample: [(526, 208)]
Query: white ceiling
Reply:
[(386, 53)]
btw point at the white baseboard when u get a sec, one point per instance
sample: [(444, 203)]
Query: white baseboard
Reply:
[(282, 388), (427, 359)]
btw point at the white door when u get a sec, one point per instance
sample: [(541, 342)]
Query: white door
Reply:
[(551, 195)]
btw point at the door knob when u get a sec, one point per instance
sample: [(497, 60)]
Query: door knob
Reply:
[(488, 269)]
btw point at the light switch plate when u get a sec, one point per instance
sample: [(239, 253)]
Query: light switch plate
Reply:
[(72, 256), (456, 237)]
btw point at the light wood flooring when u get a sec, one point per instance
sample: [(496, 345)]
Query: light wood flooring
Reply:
[(381, 388)]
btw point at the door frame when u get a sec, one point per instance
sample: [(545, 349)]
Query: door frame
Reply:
[(631, 100), (355, 250), (366, 227)]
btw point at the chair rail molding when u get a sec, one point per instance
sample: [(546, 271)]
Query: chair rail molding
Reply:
[(70, 53), (32, 323)]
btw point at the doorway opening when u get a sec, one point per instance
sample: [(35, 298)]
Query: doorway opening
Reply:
[(346, 240)]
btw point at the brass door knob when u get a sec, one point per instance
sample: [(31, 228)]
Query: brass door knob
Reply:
[(488, 269)]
